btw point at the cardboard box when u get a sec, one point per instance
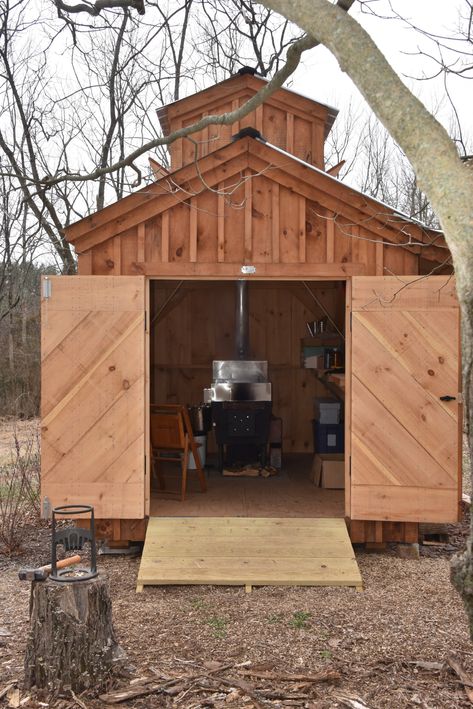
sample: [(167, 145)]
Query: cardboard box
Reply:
[(328, 470), (314, 362)]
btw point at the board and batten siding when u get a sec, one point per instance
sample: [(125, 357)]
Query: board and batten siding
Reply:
[(258, 222)]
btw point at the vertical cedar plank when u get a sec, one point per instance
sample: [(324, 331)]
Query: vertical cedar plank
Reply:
[(84, 263), (204, 145), (411, 531), (290, 133), (176, 149), (116, 530), (275, 221), (193, 230), (165, 237), (348, 308), (248, 214), (259, 119), (378, 532), (235, 107), (330, 237), (147, 397), (379, 257), (221, 223), (317, 136), (117, 256), (140, 248), (314, 146), (302, 234), (357, 244)]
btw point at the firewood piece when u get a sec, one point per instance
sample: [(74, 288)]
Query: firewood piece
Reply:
[(7, 688), (351, 701), (13, 698), (462, 675), (428, 666), (324, 676), (149, 687), (244, 687), (71, 642), (123, 695)]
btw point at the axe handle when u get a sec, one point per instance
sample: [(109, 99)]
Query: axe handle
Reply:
[(61, 564)]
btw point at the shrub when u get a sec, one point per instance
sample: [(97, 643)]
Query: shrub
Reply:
[(19, 489)]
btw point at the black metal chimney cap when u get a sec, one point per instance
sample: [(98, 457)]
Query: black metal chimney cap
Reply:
[(248, 132), (248, 70)]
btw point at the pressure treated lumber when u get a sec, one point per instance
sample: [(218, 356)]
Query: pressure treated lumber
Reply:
[(71, 642), (248, 552)]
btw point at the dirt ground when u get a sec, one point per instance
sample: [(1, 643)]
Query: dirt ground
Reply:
[(378, 640), (389, 646)]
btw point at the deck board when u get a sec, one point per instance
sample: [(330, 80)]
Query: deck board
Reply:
[(248, 552)]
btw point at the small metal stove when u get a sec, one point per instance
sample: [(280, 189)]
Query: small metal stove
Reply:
[(240, 397)]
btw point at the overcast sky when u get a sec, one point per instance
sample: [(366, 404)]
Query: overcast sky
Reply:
[(321, 78)]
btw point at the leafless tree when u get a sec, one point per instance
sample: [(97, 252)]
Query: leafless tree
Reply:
[(19, 295), (237, 33), (26, 128), (447, 55)]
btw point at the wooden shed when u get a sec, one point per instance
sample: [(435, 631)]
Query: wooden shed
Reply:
[(153, 305)]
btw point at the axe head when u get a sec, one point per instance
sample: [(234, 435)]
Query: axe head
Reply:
[(32, 574)]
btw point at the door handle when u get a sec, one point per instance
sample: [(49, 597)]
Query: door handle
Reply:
[(447, 398)]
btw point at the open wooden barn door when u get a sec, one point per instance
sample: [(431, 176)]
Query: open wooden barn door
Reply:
[(406, 413), (93, 400)]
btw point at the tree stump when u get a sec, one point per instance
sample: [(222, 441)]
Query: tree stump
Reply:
[(71, 642)]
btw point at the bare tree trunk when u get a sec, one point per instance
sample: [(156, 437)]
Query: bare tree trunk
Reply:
[(71, 643), (11, 344), (462, 564)]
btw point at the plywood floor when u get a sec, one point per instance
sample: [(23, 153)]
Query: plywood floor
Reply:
[(248, 552), (288, 494)]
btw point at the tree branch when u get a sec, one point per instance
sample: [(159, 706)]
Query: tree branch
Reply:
[(293, 58), (441, 175), (96, 8)]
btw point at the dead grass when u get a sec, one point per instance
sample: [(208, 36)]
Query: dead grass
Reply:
[(19, 485), (8, 428)]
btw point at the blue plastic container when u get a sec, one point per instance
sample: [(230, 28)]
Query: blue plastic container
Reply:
[(329, 437)]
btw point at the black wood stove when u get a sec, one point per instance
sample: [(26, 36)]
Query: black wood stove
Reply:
[(240, 397)]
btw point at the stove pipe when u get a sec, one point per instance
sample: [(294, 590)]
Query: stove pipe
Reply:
[(242, 320)]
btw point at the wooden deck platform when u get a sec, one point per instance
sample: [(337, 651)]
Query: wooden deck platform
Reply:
[(248, 552)]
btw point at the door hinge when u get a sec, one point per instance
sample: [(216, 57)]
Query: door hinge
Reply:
[(146, 321), (47, 288), (349, 467), (351, 319)]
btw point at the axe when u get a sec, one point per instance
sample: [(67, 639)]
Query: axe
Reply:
[(42, 572)]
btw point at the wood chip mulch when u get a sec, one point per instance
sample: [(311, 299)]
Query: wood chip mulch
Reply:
[(401, 643)]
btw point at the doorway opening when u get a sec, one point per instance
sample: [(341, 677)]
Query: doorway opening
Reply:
[(295, 337)]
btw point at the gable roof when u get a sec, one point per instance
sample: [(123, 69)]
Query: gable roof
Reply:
[(226, 89), (278, 165)]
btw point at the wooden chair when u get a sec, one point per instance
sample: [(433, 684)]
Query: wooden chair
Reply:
[(171, 440)]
